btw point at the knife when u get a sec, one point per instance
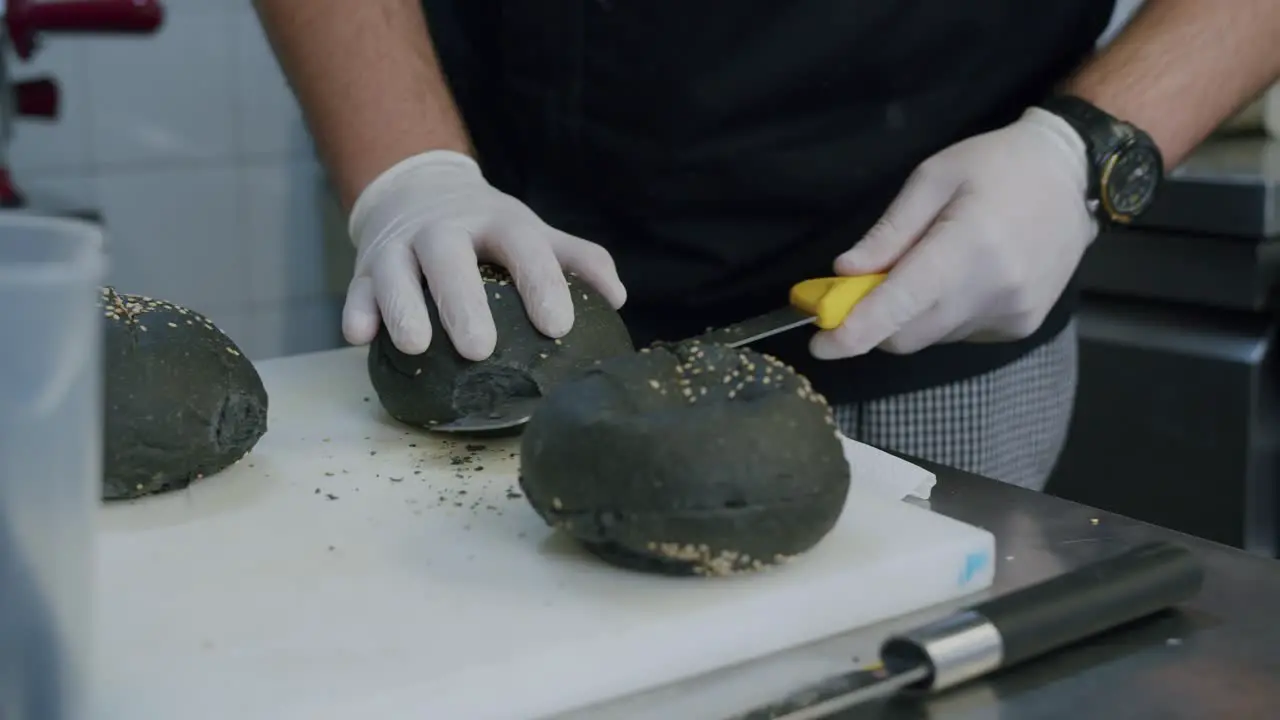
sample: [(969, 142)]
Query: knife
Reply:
[(1007, 630), (824, 302)]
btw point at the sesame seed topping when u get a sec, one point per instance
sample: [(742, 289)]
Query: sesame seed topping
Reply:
[(711, 371), (494, 274), (709, 562)]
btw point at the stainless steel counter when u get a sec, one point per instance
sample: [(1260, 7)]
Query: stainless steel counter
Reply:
[(1217, 659)]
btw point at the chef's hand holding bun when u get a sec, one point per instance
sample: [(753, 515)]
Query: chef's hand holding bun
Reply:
[(434, 215)]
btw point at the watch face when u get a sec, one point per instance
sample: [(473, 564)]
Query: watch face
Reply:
[(1132, 180)]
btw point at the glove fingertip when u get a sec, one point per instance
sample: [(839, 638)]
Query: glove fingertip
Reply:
[(857, 336), (824, 347), (473, 333), (411, 339), (875, 252), (549, 305), (415, 345), (615, 293), (556, 323), (356, 334), (852, 263), (359, 326), (608, 283), (476, 346)]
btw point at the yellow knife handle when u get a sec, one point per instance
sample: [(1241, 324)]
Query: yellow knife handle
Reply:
[(830, 299)]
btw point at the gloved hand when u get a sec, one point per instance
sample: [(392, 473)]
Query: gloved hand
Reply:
[(435, 211), (979, 244)]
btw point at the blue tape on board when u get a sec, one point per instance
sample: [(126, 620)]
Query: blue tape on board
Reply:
[(974, 564)]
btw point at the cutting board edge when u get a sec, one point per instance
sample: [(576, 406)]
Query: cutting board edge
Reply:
[(982, 542)]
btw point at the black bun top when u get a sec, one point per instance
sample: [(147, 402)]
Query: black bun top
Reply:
[(708, 458), (440, 385), (181, 400)]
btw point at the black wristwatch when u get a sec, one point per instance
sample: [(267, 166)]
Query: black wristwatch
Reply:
[(1125, 166)]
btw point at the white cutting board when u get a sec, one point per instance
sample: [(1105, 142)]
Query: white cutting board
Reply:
[(341, 572)]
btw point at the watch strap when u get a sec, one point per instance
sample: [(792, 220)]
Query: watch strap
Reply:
[(1106, 139), (1099, 131)]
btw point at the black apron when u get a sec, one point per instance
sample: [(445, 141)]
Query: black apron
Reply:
[(723, 150)]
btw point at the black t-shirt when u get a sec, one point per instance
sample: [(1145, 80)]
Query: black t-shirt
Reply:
[(723, 150)]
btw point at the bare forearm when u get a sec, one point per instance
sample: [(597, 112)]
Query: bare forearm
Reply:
[(368, 81), (1182, 67)]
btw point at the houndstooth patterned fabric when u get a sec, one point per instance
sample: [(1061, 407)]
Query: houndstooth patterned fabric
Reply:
[(1009, 424)]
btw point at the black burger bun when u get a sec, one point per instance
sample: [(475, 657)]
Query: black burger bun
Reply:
[(182, 400)]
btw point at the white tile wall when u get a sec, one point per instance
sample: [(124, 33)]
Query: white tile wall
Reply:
[(62, 145), (164, 99), (175, 232), (191, 145)]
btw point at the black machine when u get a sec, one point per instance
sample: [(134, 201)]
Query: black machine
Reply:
[(1177, 421)]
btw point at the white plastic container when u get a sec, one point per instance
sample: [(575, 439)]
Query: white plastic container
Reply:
[(50, 461)]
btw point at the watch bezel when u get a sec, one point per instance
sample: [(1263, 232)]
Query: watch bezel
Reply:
[(1108, 140), (1106, 192)]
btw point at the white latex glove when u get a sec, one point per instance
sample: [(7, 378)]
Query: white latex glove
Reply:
[(979, 245), (435, 214)]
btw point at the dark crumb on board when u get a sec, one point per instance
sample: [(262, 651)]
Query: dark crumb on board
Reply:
[(472, 489)]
